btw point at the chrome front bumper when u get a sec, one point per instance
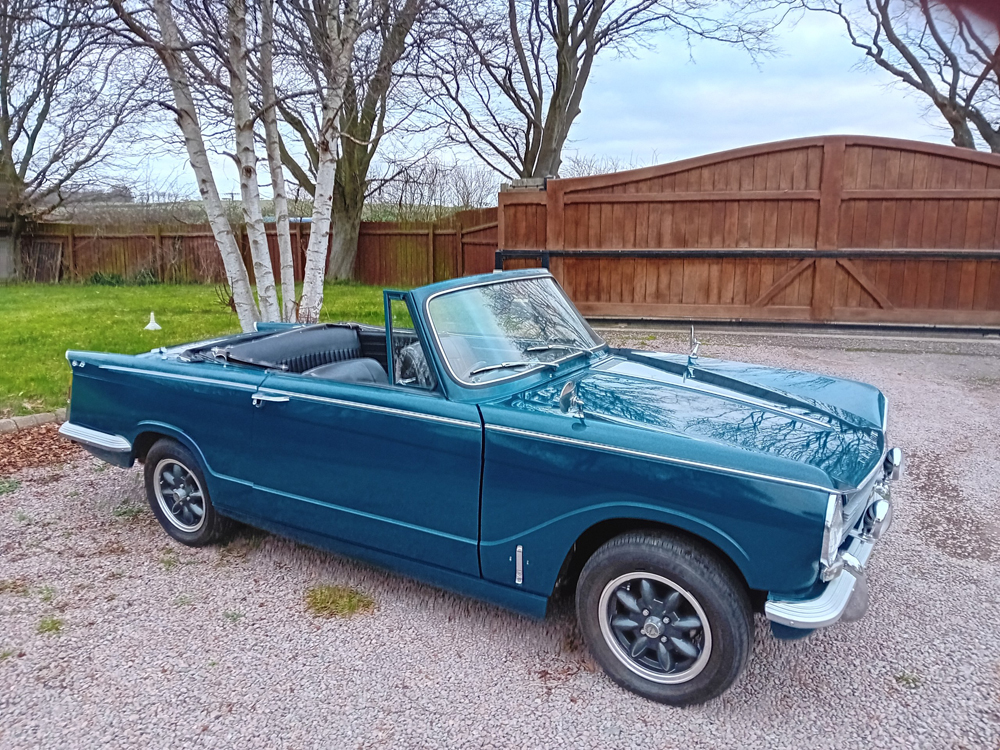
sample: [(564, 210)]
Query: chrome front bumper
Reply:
[(845, 597)]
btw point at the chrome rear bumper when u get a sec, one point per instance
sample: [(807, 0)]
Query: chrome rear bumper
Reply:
[(93, 439)]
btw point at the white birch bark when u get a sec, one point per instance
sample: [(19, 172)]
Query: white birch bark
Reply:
[(288, 313), (341, 34), (187, 119), (246, 162)]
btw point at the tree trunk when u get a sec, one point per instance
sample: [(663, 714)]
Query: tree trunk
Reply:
[(187, 119), (319, 235), (246, 162), (288, 313), (961, 132), (16, 230), (344, 236), (342, 36)]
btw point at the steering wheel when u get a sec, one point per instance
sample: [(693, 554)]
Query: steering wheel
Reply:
[(413, 367)]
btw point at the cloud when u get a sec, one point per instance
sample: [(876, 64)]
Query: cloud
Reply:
[(663, 103)]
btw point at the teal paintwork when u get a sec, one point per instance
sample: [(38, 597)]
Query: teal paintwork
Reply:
[(446, 484)]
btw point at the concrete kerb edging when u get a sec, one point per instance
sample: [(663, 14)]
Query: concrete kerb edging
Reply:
[(16, 424)]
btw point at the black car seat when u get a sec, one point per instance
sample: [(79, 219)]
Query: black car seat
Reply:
[(351, 371)]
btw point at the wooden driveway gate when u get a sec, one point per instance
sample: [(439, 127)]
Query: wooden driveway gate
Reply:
[(834, 229)]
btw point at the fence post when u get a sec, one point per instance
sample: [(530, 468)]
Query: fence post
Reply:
[(430, 254), (158, 249), (70, 255), (554, 224)]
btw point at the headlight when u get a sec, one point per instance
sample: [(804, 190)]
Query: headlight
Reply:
[(833, 532)]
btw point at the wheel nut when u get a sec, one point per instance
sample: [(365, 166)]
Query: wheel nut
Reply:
[(663, 639), (645, 613)]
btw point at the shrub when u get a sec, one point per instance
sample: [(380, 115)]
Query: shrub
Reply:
[(145, 277), (100, 278)]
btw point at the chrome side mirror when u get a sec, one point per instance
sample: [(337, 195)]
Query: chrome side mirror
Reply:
[(569, 399)]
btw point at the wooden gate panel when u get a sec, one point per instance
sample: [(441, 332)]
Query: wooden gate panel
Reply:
[(839, 228)]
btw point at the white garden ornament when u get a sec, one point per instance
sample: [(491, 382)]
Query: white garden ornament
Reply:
[(152, 325)]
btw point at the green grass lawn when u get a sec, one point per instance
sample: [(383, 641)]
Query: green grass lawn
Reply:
[(39, 322)]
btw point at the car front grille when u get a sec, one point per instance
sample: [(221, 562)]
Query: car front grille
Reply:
[(857, 502)]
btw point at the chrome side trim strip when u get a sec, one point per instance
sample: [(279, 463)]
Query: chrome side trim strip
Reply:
[(827, 608), (373, 407), (184, 378), (718, 393), (657, 457), (94, 438)]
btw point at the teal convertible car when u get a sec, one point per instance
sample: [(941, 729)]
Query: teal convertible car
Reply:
[(488, 441)]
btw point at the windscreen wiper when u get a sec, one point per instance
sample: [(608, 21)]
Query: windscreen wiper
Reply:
[(506, 365), (574, 351), (550, 347)]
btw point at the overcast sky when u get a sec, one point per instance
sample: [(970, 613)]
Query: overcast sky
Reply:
[(663, 105), (666, 103)]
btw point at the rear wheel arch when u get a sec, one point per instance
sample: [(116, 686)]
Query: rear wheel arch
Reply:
[(594, 537), (150, 434), (146, 440)]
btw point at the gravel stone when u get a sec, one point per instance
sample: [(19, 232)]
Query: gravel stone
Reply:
[(152, 654)]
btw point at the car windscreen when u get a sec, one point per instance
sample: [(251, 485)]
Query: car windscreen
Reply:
[(496, 331)]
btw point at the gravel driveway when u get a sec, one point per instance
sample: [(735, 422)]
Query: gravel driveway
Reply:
[(158, 645)]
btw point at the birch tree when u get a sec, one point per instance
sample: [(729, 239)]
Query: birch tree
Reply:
[(161, 34), (952, 58), (246, 159), (272, 142), (371, 104), (208, 60), (326, 32)]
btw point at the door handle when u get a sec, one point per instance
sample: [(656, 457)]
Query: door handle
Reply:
[(258, 399)]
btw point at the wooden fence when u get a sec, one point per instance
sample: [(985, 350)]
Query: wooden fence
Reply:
[(840, 228), (414, 254), (389, 254)]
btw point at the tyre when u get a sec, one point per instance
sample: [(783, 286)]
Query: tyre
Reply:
[(665, 617), (178, 495)]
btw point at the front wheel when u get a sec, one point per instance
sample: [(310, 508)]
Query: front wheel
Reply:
[(178, 495), (665, 618)]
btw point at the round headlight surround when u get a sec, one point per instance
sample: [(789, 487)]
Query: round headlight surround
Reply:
[(833, 533)]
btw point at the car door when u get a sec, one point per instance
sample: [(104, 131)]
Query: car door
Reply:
[(393, 468)]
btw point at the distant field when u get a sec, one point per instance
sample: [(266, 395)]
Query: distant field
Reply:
[(39, 322)]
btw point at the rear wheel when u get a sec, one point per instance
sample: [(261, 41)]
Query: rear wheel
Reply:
[(178, 495), (665, 618)]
